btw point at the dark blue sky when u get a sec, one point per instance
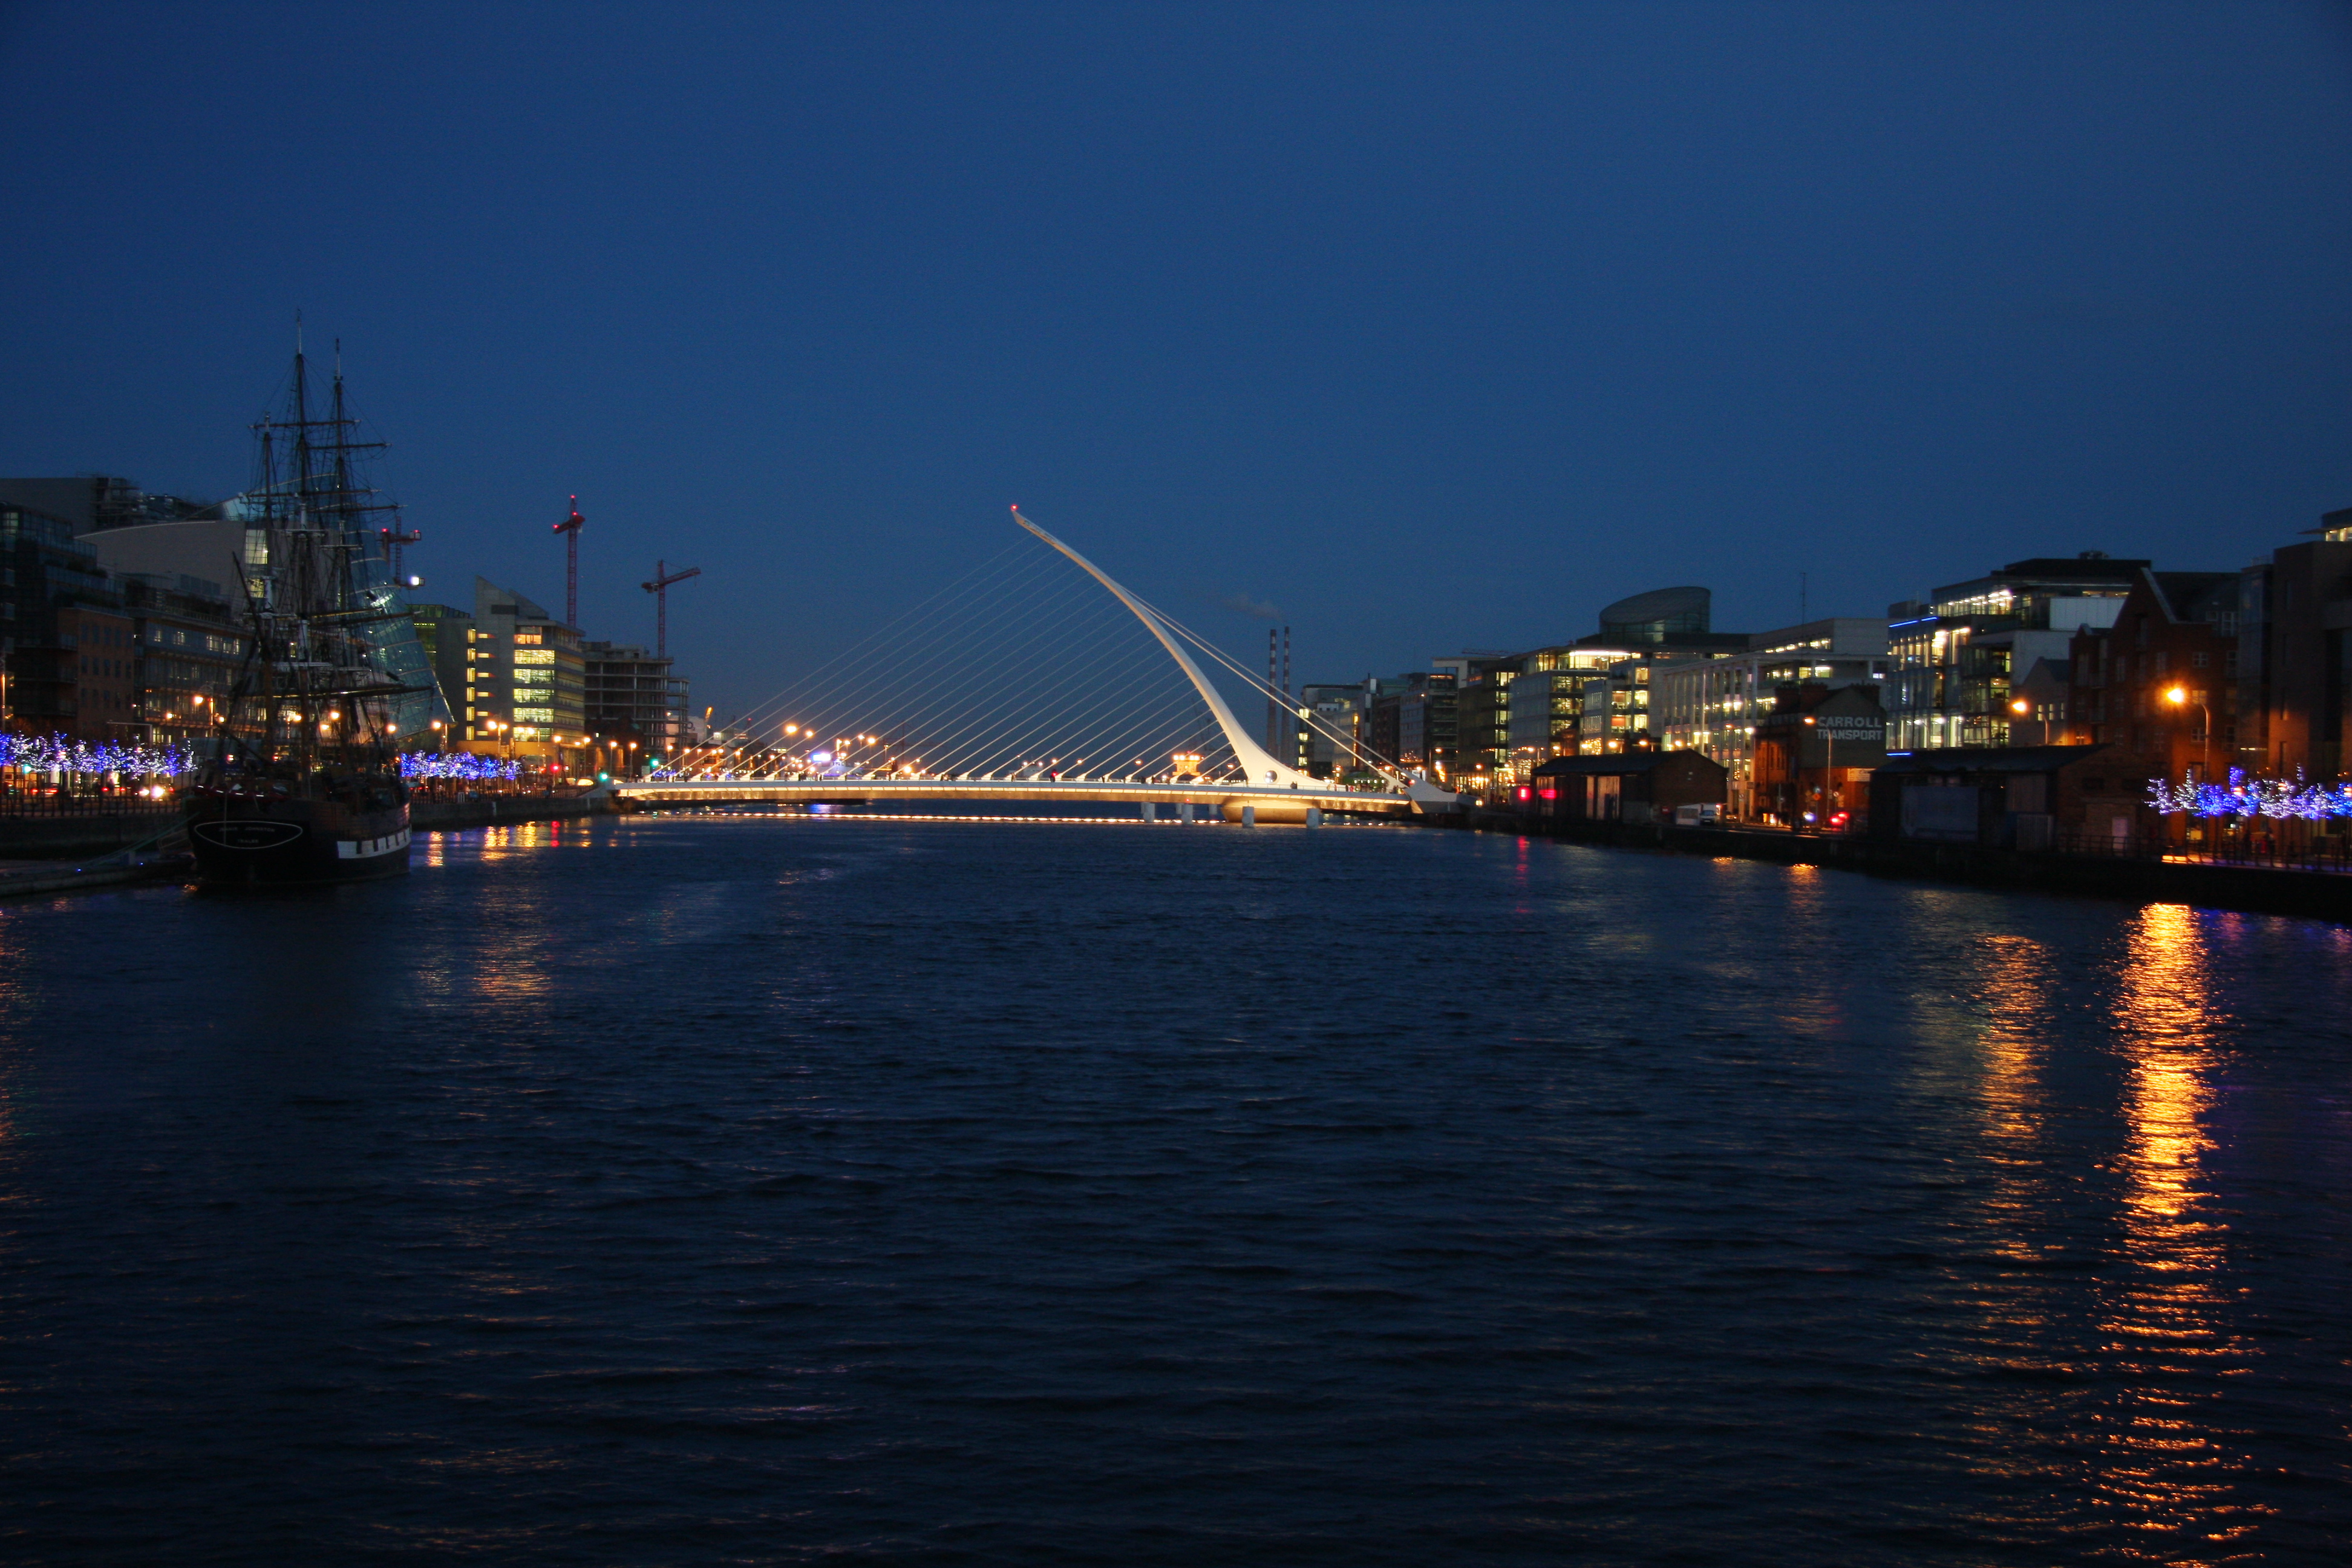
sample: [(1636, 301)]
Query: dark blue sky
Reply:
[(1433, 326)]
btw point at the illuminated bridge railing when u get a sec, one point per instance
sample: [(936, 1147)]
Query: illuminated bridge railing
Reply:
[(1269, 803), (1022, 680)]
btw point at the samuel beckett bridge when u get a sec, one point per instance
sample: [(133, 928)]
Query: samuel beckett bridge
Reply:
[(1033, 677)]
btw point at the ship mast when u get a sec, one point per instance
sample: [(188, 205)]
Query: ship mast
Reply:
[(311, 665)]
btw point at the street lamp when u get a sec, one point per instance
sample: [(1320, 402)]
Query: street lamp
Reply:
[(1833, 796), (2179, 697)]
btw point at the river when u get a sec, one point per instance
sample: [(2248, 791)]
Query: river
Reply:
[(767, 1190)]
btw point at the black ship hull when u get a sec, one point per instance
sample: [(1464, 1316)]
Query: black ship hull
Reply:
[(247, 842)]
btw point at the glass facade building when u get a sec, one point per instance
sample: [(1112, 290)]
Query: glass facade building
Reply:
[(1958, 654), (1712, 705)]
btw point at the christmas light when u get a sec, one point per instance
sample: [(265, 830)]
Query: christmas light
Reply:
[(455, 765), (2243, 796), (58, 754)]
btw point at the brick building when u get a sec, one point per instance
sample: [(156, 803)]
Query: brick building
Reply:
[(65, 653), (2161, 683), (2294, 667), (1814, 751)]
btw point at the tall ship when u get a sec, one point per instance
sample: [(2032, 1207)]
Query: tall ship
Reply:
[(301, 783)]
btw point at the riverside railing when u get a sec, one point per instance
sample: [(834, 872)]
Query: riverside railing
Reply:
[(2279, 852), (101, 801)]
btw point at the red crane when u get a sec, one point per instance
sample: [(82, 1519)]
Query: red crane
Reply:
[(659, 589), (570, 528), (393, 538)]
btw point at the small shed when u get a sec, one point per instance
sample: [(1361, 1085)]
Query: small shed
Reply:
[(1632, 786), (2011, 798)]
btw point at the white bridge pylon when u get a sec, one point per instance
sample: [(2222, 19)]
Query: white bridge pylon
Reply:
[(1254, 760), (1277, 790)]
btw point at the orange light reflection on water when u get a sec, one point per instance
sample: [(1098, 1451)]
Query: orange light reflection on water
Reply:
[(2104, 1338), (11, 970), (2162, 1463), (1807, 1000), (2019, 983)]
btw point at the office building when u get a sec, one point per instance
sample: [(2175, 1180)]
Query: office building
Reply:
[(633, 696), (1958, 654), (2295, 656), (66, 658), (1411, 722), (446, 635), (1589, 697), (526, 679), (1712, 704), (1330, 728), (191, 652)]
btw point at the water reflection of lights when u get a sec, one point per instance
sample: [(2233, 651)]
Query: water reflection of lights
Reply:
[(501, 841), (2122, 1356), (12, 984), (2019, 987), (2167, 1039), (1808, 1000), (2161, 1462)]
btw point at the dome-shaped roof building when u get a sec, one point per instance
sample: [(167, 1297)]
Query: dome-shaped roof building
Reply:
[(1660, 616)]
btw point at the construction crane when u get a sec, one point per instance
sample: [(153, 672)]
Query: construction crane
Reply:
[(570, 528), (659, 589), (393, 538)]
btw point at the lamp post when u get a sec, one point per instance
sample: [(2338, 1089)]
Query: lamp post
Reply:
[(2179, 697), (503, 732), (2023, 708), (1829, 770)]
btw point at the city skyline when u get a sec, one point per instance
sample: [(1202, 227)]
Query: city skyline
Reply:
[(1531, 782), (1422, 328)]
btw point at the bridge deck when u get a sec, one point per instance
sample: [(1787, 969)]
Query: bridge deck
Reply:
[(816, 792)]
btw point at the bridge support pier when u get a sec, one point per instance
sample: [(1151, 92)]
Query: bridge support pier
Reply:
[(1314, 816), (1265, 811)]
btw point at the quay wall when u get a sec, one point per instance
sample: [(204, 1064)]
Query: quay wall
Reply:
[(2258, 890), (65, 877), (79, 836), (74, 835)]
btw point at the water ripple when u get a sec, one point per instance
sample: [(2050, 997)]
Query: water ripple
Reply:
[(676, 1192)]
